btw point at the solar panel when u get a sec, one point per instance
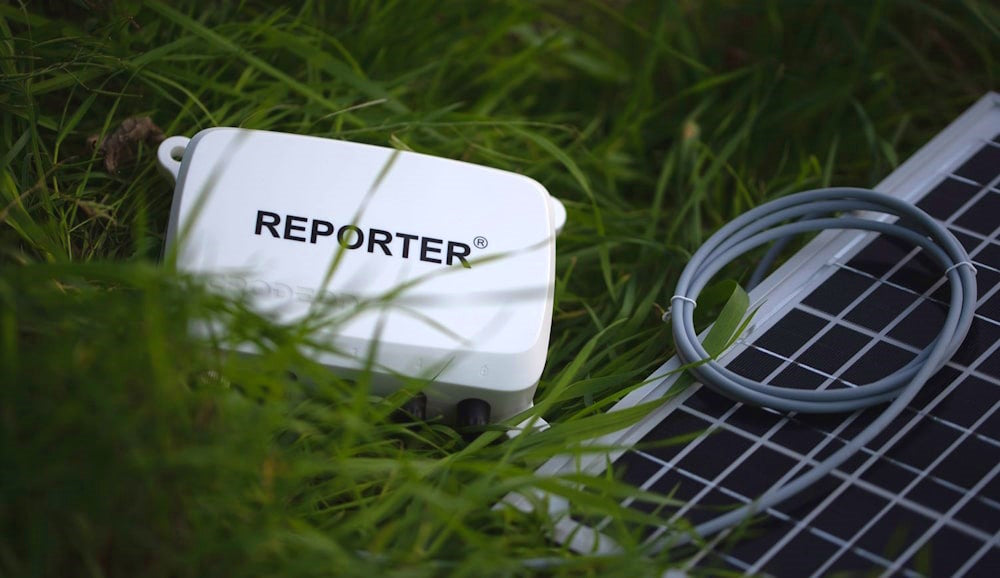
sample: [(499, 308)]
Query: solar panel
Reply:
[(923, 498)]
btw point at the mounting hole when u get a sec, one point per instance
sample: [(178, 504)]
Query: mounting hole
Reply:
[(170, 154)]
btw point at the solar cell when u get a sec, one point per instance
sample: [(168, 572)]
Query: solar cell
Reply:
[(924, 496)]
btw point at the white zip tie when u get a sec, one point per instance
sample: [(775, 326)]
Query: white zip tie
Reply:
[(666, 314), (959, 264)]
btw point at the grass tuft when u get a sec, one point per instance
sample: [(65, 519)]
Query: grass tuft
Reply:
[(129, 447)]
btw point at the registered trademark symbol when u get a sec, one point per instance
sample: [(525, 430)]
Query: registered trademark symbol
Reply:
[(480, 242)]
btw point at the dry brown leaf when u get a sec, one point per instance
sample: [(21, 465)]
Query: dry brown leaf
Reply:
[(121, 145)]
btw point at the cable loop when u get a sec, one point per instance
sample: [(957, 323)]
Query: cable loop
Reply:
[(777, 221)]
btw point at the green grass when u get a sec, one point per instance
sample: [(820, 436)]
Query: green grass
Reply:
[(124, 446)]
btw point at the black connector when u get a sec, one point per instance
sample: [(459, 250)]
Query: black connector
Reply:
[(472, 412), (415, 408)]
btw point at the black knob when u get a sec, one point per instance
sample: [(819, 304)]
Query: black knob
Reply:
[(415, 407), (472, 412)]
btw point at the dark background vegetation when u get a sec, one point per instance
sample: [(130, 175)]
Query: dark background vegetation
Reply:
[(124, 446)]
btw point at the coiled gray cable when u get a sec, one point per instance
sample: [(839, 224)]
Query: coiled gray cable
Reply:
[(807, 212)]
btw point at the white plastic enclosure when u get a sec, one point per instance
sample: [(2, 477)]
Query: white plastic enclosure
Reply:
[(448, 266)]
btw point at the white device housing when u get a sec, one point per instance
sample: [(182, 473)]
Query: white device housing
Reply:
[(471, 250)]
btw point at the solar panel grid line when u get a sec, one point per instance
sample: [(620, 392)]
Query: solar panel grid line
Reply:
[(781, 515), (798, 525), (875, 454), (946, 503), (745, 342), (814, 342), (985, 158), (700, 556), (878, 279), (809, 460), (757, 566), (879, 452), (803, 523), (957, 442), (981, 553), (659, 385), (983, 195), (987, 243), (788, 537), (716, 425), (790, 359), (718, 422), (866, 554), (707, 483), (714, 483), (672, 465), (901, 344), (889, 339), (567, 530), (808, 457), (844, 545), (986, 195), (986, 292), (922, 540), (710, 485), (745, 499), (963, 373), (812, 461), (840, 319), (897, 499), (838, 374)]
